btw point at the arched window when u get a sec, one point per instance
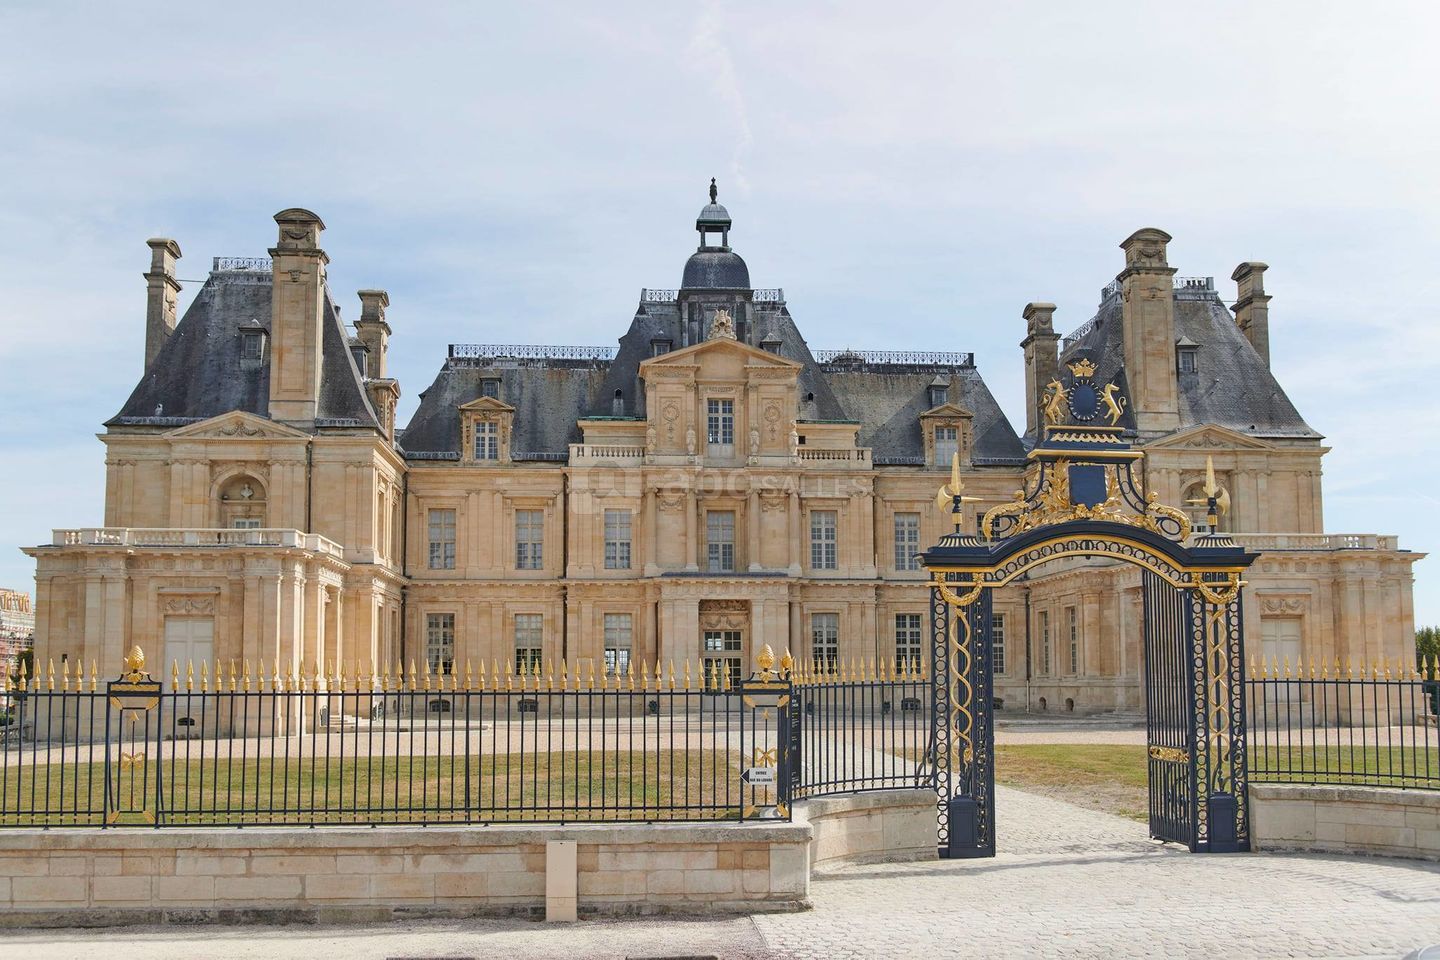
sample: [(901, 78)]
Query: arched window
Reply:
[(242, 503)]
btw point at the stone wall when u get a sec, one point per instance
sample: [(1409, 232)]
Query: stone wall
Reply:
[(1377, 820), (96, 877)]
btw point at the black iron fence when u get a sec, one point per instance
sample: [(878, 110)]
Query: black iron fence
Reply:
[(1373, 725), (526, 744)]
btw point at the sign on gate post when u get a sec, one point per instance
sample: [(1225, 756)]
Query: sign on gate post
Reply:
[(766, 707)]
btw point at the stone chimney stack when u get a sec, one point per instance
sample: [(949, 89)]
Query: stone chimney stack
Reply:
[(1148, 320), (297, 314), (1252, 306), (1042, 362), (374, 332), (162, 291)]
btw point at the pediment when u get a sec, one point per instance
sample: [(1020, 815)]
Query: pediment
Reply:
[(1210, 437), (947, 411), (487, 405), (695, 355), (236, 425)]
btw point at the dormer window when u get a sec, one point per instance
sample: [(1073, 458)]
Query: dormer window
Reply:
[(487, 440), (659, 347), (939, 395), (252, 344), (617, 404), (490, 387), (947, 444), (359, 352), (1186, 351)]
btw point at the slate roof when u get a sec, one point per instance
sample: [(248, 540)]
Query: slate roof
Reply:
[(199, 373), (715, 269), (888, 405), (1232, 387)]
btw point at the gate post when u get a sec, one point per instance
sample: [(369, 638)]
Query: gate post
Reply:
[(962, 731)]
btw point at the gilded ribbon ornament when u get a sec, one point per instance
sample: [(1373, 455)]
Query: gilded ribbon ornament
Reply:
[(1217, 646), (962, 722)]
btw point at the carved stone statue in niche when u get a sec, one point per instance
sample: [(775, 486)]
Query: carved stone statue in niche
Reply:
[(690, 441), (794, 443), (754, 442)]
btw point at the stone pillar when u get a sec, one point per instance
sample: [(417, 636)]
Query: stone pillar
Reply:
[(1252, 306), (752, 524), (1148, 325), (162, 291), (1042, 361), (297, 316), (692, 540), (651, 521), (797, 545)]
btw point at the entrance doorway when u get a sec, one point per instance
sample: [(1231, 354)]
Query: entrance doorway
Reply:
[(188, 640)]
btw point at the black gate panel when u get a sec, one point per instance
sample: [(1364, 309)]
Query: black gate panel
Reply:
[(1170, 714), (963, 737)]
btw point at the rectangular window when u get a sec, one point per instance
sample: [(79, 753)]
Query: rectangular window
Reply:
[(247, 523), (1074, 639), (824, 641), (720, 541), (487, 440), (1187, 359), (440, 643), (947, 444), (529, 539), (824, 553), (722, 658), (907, 641), (617, 539), (907, 541), (490, 388), (659, 347), (252, 347), (720, 425), (997, 643), (529, 637), (1045, 642), (442, 539), (617, 643)]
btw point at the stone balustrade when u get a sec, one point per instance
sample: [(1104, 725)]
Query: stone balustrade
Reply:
[(1315, 541), (860, 455), (614, 452), (196, 537)]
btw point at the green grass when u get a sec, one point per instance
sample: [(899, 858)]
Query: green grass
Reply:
[(1114, 778), (570, 785)]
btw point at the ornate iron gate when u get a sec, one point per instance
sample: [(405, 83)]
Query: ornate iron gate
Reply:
[(1086, 499)]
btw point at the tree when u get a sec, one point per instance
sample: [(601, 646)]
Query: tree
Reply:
[(1427, 645)]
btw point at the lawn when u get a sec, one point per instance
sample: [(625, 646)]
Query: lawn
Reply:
[(558, 786), (1113, 778)]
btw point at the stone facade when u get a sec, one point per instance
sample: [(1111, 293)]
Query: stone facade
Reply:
[(710, 486), (17, 628)]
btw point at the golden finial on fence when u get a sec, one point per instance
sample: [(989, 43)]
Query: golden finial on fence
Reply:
[(205, 676), (671, 686), (630, 675), (787, 664), (94, 675), (687, 674), (189, 675), (64, 674), (24, 677), (174, 674), (644, 674)]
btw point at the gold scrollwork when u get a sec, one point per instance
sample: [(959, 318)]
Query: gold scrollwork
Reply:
[(1170, 754), (1053, 505)]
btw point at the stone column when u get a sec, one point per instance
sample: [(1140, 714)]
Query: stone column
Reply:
[(651, 521), (752, 523), (692, 541), (797, 545)]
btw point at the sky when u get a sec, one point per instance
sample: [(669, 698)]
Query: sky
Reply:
[(912, 174)]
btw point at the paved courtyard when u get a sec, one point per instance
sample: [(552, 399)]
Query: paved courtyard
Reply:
[(1068, 882)]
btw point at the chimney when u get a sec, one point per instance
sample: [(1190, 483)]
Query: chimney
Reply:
[(161, 292), (1148, 321), (373, 331), (1252, 306), (297, 311), (1042, 362)]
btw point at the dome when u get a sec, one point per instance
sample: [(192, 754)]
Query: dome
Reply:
[(714, 213), (716, 269)]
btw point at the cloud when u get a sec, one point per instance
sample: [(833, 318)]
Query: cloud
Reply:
[(911, 173)]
